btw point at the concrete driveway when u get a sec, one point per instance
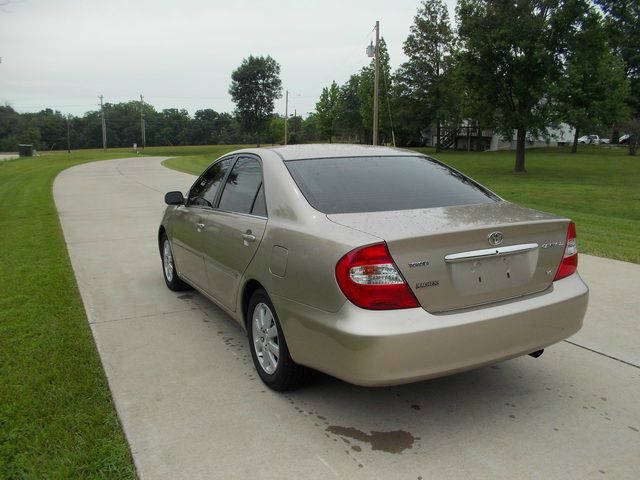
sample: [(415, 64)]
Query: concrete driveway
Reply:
[(192, 405)]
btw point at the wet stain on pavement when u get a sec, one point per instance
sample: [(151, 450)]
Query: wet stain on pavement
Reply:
[(396, 441)]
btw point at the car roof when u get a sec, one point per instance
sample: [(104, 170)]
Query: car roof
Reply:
[(311, 151)]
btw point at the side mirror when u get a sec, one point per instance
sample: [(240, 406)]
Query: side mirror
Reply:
[(174, 198)]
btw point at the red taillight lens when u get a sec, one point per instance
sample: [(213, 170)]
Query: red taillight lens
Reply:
[(569, 263), (369, 278)]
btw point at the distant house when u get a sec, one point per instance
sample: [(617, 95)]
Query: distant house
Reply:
[(474, 138)]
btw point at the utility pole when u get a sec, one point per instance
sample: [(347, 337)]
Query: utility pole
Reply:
[(142, 126), (376, 81), (286, 116), (68, 135), (104, 125)]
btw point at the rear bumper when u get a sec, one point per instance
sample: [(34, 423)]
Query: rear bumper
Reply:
[(375, 348)]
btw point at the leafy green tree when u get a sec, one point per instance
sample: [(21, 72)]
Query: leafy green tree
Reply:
[(52, 127), (510, 60), (10, 128), (622, 21), (233, 133), (275, 130), (207, 125), (173, 127), (310, 130), (123, 124), (295, 129), (255, 85), (593, 89), (327, 111), (425, 81), (349, 120), (87, 131)]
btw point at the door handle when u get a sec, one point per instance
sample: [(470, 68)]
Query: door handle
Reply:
[(199, 226), (248, 237)]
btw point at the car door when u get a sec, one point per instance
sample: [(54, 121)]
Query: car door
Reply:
[(187, 224), (234, 230)]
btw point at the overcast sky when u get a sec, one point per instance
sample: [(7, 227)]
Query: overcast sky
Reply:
[(64, 53)]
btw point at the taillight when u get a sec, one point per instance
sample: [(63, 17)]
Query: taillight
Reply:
[(369, 278), (569, 263)]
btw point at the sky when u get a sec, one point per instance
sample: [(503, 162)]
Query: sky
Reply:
[(62, 54)]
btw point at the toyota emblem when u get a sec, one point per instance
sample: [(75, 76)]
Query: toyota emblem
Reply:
[(495, 238)]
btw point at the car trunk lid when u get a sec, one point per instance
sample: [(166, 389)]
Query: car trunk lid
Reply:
[(446, 257)]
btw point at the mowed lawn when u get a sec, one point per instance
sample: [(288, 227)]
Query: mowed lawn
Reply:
[(599, 188), (57, 419)]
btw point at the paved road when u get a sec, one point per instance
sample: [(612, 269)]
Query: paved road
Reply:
[(192, 406), (8, 156)]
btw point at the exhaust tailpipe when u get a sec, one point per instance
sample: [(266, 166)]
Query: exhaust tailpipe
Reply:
[(537, 353)]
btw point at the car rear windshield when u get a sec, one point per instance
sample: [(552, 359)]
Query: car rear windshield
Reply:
[(374, 184)]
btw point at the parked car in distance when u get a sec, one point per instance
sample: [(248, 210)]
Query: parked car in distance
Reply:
[(376, 265), (593, 140), (624, 138)]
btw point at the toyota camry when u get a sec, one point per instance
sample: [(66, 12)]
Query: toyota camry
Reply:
[(376, 265)]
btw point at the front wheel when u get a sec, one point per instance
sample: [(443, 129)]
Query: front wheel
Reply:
[(169, 267), (268, 347)]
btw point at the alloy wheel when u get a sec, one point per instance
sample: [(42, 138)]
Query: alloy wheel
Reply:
[(265, 338)]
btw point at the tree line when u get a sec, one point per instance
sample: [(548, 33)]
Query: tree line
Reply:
[(47, 129), (518, 68)]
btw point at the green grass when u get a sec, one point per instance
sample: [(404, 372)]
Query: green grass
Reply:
[(599, 188), (57, 419)]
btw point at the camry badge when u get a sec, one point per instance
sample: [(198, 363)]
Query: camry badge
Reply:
[(495, 238)]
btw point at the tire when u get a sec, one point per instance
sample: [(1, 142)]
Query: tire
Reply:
[(169, 272), (268, 346)]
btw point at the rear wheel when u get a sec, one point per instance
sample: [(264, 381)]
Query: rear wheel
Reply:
[(169, 267), (269, 350)]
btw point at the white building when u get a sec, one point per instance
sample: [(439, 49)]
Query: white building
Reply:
[(472, 138)]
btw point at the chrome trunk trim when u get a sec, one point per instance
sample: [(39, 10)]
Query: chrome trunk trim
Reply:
[(489, 252)]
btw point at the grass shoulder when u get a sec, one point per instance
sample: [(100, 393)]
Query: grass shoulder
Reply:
[(56, 413)]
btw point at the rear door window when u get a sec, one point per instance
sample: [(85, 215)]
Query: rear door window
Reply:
[(242, 186), (373, 184)]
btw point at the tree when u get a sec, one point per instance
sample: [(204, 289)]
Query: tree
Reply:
[(11, 124), (173, 127), (349, 121), (207, 125), (593, 89), (622, 21), (309, 129), (425, 79), (275, 130), (255, 85), (511, 58), (327, 111)]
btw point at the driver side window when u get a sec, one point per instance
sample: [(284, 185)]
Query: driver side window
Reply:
[(203, 193)]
